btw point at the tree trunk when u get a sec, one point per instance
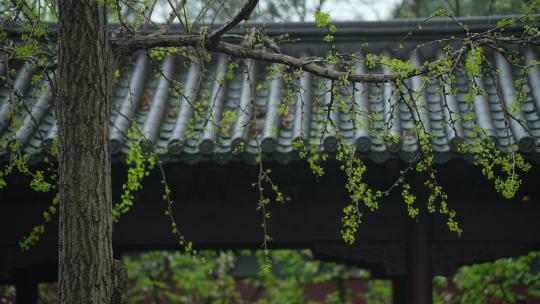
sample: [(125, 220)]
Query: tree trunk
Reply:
[(417, 5), (458, 9), (82, 109)]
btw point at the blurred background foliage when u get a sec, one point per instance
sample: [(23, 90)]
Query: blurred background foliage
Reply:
[(459, 8), (296, 277), (343, 10)]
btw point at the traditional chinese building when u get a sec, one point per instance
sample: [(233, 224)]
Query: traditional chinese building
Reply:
[(210, 167)]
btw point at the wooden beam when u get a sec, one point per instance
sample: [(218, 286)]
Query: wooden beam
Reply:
[(26, 287), (400, 289), (420, 261)]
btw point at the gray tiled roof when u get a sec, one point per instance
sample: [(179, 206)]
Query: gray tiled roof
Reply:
[(165, 117)]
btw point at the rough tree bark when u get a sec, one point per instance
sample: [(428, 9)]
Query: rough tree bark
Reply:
[(85, 69)]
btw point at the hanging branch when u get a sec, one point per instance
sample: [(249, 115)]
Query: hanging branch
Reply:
[(243, 14)]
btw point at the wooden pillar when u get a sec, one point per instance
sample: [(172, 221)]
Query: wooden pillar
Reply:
[(419, 262), (26, 287), (400, 289)]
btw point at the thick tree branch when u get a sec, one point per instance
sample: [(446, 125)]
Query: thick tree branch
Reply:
[(130, 44), (305, 64), (126, 45)]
